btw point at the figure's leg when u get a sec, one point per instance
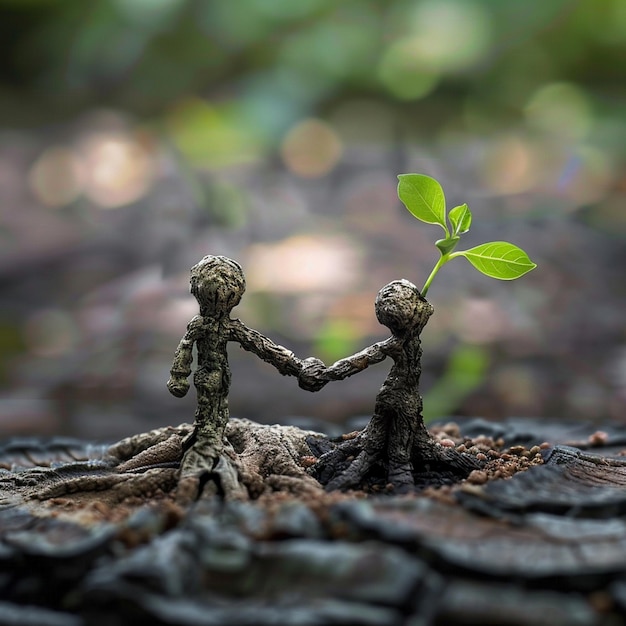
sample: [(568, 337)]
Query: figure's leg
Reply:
[(387, 439), (206, 443), (345, 466), (399, 446), (206, 468)]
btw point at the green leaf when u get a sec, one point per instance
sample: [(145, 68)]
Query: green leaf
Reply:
[(498, 259), (448, 244), (423, 197), (461, 219)]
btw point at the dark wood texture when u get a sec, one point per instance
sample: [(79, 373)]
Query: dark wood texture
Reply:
[(547, 546)]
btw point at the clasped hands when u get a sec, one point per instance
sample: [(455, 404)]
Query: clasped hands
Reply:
[(312, 375)]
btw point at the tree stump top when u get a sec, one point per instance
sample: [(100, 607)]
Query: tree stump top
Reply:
[(543, 546)]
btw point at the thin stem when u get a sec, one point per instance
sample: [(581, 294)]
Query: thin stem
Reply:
[(443, 259)]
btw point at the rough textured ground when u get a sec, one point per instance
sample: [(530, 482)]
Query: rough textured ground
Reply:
[(536, 537)]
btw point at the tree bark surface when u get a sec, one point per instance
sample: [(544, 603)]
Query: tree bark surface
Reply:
[(85, 542)]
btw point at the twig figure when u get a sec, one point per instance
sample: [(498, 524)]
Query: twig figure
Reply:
[(395, 445), (217, 283)]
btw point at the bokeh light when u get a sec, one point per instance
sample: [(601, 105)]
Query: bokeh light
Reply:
[(560, 110), (404, 72), (511, 165), (311, 149), (303, 263), (213, 136), (118, 168), (450, 35), (439, 38), (57, 176)]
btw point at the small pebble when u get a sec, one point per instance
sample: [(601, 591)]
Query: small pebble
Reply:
[(477, 477), (351, 435), (599, 438), (452, 429), (447, 443), (517, 450)]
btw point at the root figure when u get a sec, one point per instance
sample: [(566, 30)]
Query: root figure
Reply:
[(218, 284), (395, 447)]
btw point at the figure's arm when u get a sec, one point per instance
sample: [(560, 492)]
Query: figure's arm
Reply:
[(178, 384), (315, 374), (282, 359)]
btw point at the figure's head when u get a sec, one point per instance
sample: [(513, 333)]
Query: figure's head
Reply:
[(218, 284), (401, 308)]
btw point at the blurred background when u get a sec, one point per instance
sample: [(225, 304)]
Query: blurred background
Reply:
[(137, 136)]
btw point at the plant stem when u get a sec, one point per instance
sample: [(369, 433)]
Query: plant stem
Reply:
[(443, 259)]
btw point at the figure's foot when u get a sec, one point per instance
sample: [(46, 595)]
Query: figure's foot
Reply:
[(198, 460), (347, 466), (208, 470), (400, 477), (353, 465), (194, 474), (251, 459), (165, 453), (353, 475)]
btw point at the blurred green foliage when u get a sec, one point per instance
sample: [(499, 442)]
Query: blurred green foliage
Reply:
[(225, 81), (274, 61), (336, 339), (465, 372), (507, 99), (11, 343)]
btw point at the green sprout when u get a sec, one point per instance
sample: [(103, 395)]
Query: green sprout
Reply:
[(424, 198)]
